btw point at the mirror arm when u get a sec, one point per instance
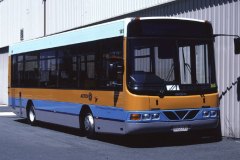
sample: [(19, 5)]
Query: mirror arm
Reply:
[(236, 41), (226, 35)]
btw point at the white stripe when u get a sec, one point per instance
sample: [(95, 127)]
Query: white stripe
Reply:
[(7, 114), (3, 105), (92, 33)]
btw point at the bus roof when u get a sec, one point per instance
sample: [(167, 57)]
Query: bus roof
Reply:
[(96, 32)]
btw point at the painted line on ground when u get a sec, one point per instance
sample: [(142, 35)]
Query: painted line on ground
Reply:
[(7, 114), (2, 105)]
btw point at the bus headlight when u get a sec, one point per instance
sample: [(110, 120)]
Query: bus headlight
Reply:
[(206, 114), (213, 114), (146, 116), (156, 116)]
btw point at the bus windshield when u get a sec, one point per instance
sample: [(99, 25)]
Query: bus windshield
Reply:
[(171, 65)]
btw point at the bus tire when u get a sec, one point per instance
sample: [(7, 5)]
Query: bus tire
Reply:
[(89, 125), (31, 116)]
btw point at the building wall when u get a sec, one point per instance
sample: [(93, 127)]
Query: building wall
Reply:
[(225, 18), (62, 15), (16, 15), (4, 78), (67, 14)]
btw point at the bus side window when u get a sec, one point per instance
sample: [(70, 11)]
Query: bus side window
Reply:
[(67, 77), (31, 74), (48, 69), (86, 65), (90, 78), (20, 71), (14, 74), (111, 52)]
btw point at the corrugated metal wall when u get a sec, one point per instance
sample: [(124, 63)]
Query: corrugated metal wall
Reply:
[(61, 15), (16, 15), (67, 14), (225, 18)]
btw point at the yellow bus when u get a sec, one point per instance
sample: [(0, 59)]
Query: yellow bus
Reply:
[(130, 76)]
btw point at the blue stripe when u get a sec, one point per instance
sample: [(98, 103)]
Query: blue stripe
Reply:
[(57, 112), (106, 112), (102, 112), (110, 119)]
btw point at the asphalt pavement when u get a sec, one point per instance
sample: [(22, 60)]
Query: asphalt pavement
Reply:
[(20, 141)]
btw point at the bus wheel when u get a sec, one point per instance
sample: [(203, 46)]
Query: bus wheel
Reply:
[(31, 116), (89, 125)]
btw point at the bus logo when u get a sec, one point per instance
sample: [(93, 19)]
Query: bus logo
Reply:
[(88, 96)]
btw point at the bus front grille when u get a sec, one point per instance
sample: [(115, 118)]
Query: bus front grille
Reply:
[(181, 114)]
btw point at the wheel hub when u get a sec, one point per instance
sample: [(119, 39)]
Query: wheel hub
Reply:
[(88, 122), (31, 116)]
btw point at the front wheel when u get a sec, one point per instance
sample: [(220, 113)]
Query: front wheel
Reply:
[(31, 116), (89, 125)]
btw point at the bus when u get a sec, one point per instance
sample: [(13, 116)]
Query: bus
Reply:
[(129, 76)]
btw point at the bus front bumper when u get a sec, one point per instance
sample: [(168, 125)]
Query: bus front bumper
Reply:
[(178, 126)]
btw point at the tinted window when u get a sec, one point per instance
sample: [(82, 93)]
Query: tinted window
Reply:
[(48, 69), (87, 65), (111, 52), (80, 66), (17, 70), (67, 68), (31, 74)]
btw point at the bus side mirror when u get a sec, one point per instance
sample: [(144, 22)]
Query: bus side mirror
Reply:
[(237, 45)]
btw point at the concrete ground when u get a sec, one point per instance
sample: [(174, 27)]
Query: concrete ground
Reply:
[(20, 141)]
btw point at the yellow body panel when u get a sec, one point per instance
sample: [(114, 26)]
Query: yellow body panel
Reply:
[(104, 98), (138, 102), (124, 100), (181, 102)]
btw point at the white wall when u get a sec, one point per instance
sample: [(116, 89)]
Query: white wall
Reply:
[(18, 14), (4, 79), (61, 15), (67, 14)]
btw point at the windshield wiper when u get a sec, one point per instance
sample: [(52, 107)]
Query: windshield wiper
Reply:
[(170, 73), (186, 65)]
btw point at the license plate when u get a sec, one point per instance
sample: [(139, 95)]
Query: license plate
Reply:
[(180, 129)]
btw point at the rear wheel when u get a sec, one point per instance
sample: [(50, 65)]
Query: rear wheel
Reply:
[(31, 116), (89, 125)]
